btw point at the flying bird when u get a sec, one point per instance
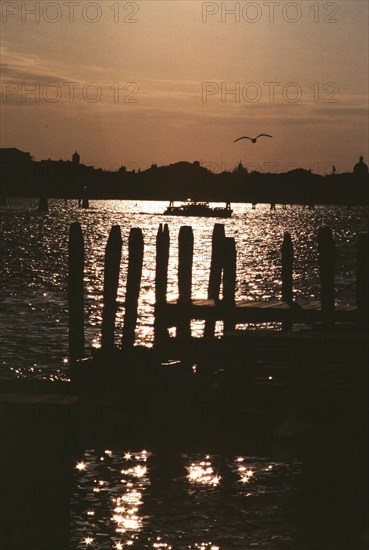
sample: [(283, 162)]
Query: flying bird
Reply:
[(252, 139)]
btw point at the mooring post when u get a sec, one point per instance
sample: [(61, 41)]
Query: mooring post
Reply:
[(161, 280), (85, 201), (135, 261), (362, 279), (185, 261), (326, 248), (76, 293), (113, 256), (287, 274), (216, 267), (43, 204), (229, 283)]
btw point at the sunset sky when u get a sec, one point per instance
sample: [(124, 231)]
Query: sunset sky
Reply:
[(172, 53)]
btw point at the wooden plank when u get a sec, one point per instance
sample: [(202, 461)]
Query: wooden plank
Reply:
[(113, 255), (229, 282), (185, 262), (76, 292), (316, 306), (161, 280), (216, 267), (272, 304), (135, 261), (204, 302), (345, 307), (162, 261), (251, 312)]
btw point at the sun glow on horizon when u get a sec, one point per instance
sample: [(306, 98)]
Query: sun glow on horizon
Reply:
[(185, 103)]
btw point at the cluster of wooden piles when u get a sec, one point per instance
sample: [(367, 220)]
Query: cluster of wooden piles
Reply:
[(332, 352)]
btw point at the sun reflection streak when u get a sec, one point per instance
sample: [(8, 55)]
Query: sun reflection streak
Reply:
[(127, 505), (117, 514), (137, 471), (202, 472), (245, 474)]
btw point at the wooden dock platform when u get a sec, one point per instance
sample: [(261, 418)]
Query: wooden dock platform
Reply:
[(307, 330)]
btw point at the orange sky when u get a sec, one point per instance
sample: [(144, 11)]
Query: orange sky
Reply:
[(163, 57)]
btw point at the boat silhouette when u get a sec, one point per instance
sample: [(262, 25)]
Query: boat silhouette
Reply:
[(198, 209)]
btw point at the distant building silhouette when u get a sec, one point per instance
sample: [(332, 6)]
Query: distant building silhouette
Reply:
[(361, 169), (240, 170), (14, 155), (22, 176), (76, 158), (15, 169)]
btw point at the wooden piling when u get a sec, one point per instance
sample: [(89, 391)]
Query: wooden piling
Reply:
[(287, 274), (135, 261), (161, 280), (185, 262), (76, 292), (216, 268), (362, 278), (162, 261), (113, 256), (229, 282), (326, 248), (43, 205)]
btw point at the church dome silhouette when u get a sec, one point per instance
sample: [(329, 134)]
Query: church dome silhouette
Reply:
[(76, 158), (361, 169)]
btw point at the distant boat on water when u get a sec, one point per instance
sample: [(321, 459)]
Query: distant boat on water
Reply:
[(198, 209)]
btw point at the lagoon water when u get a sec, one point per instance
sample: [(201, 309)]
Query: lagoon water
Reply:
[(34, 313), (210, 502), (129, 498)]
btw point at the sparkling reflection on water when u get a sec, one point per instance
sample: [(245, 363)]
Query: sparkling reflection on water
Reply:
[(138, 500), (34, 258)]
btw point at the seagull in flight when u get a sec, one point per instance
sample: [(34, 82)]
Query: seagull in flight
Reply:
[(252, 139)]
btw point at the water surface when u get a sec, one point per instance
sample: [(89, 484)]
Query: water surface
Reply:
[(34, 316)]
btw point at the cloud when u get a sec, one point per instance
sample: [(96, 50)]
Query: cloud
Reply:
[(17, 74)]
